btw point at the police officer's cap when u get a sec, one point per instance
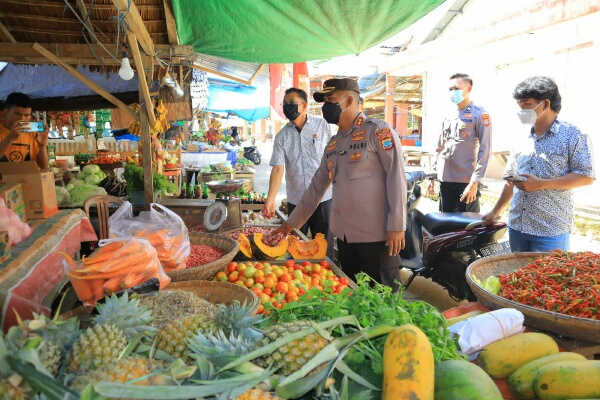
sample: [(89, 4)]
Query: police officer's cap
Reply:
[(335, 84)]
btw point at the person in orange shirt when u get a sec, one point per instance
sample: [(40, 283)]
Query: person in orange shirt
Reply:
[(15, 144)]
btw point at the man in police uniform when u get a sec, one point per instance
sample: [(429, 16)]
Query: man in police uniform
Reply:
[(364, 164), (463, 152)]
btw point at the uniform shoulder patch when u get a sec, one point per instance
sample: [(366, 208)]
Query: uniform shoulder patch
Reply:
[(485, 118), (386, 143)]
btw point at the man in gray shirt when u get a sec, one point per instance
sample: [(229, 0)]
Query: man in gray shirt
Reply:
[(464, 149), (297, 149)]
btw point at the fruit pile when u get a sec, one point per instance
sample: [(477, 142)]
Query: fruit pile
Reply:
[(278, 284)]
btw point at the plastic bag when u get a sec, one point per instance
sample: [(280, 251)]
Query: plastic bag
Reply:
[(164, 229), (477, 332), (11, 223), (118, 264)]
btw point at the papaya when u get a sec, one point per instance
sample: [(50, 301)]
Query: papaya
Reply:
[(408, 365), (568, 380), (505, 356), (463, 380), (315, 249), (520, 382), (263, 251), (245, 251)]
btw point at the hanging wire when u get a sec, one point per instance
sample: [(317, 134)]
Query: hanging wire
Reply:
[(121, 22), (90, 32)]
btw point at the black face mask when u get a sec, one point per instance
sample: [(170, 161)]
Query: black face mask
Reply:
[(332, 112), (291, 111)]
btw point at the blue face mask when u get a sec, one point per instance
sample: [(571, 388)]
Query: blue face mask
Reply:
[(456, 96)]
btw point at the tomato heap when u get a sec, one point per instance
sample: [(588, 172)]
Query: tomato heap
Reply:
[(280, 284)]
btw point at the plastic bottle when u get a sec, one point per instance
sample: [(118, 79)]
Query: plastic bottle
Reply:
[(183, 193), (205, 192)]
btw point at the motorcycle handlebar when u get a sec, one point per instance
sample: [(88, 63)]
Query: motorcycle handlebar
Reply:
[(419, 176)]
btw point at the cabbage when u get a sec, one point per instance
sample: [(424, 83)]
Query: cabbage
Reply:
[(70, 186), (92, 179), (81, 175), (79, 194), (76, 182), (62, 196), (101, 174), (91, 169)]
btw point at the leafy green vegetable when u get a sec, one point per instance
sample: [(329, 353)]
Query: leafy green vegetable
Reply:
[(91, 169), (490, 284), (372, 304), (79, 194), (76, 182), (134, 176), (92, 179)]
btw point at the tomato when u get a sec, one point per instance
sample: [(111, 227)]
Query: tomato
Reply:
[(264, 298), (233, 277), (220, 275), (307, 269), (344, 281), (285, 278), (270, 282), (259, 279), (241, 283), (268, 291), (306, 263), (259, 273), (259, 266), (232, 266), (324, 264), (257, 291), (298, 274), (281, 287), (289, 263), (316, 268), (249, 272)]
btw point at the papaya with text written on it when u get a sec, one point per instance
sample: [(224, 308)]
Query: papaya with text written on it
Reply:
[(263, 251), (520, 382), (408, 365), (505, 356), (568, 380), (315, 249), (463, 380)]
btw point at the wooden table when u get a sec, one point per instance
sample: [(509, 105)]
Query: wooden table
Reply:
[(35, 267)]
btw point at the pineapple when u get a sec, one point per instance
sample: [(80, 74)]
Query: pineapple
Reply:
[(121, 371), (237, 320), (14, 388), (173, 337), (99, 345), (257, 394), (291, 356), (220, 349), (125, 314)]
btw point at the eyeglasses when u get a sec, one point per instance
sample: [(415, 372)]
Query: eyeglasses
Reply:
[(283, 103)]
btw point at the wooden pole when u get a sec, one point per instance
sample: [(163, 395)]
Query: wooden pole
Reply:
[(389, 99), (146, 156), (139, 66)]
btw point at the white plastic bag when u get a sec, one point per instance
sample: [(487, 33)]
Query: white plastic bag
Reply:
[(164, 229), (477, 332)]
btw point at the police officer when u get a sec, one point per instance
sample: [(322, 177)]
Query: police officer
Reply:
[(463, 151), (364, 164)]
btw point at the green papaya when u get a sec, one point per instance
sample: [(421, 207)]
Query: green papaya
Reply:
[(462, 380)]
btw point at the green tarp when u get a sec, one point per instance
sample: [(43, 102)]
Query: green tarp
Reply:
[(287, 31)]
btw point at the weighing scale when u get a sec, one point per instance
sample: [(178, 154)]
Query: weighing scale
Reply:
[(217, 215), (224, 214)]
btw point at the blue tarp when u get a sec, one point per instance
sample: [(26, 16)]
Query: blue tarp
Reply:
[(247, 102), (39, 81)]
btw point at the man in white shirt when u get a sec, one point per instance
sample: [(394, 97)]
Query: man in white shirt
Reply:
[(297, 151)]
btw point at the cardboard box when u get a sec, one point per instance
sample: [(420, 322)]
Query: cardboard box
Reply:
[(38, 187), (192, 148), (4, 247), (14, 198)]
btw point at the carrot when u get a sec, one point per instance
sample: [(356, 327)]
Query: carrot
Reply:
[(126, 268), (110, 247), (163, 279), (97, 289), (83, 289), (72, 265), (112, 285), (132, 280)]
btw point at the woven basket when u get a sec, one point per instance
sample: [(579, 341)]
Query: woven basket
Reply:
[(206, 271), (549, 321), (218, 292)]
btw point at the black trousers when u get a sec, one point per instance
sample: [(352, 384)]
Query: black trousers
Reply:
[(450, 194), (319, 223), (370, 258)]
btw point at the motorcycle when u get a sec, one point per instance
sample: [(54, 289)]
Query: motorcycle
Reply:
[(441, 245), (252, 154)]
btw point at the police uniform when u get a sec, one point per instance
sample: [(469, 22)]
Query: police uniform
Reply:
[(365, 167), (464, 150)]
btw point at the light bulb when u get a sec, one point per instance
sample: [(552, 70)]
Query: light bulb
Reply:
[(125, 72)]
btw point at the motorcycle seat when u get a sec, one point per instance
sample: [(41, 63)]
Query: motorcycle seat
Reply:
[(442, 222), (249, 148)]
